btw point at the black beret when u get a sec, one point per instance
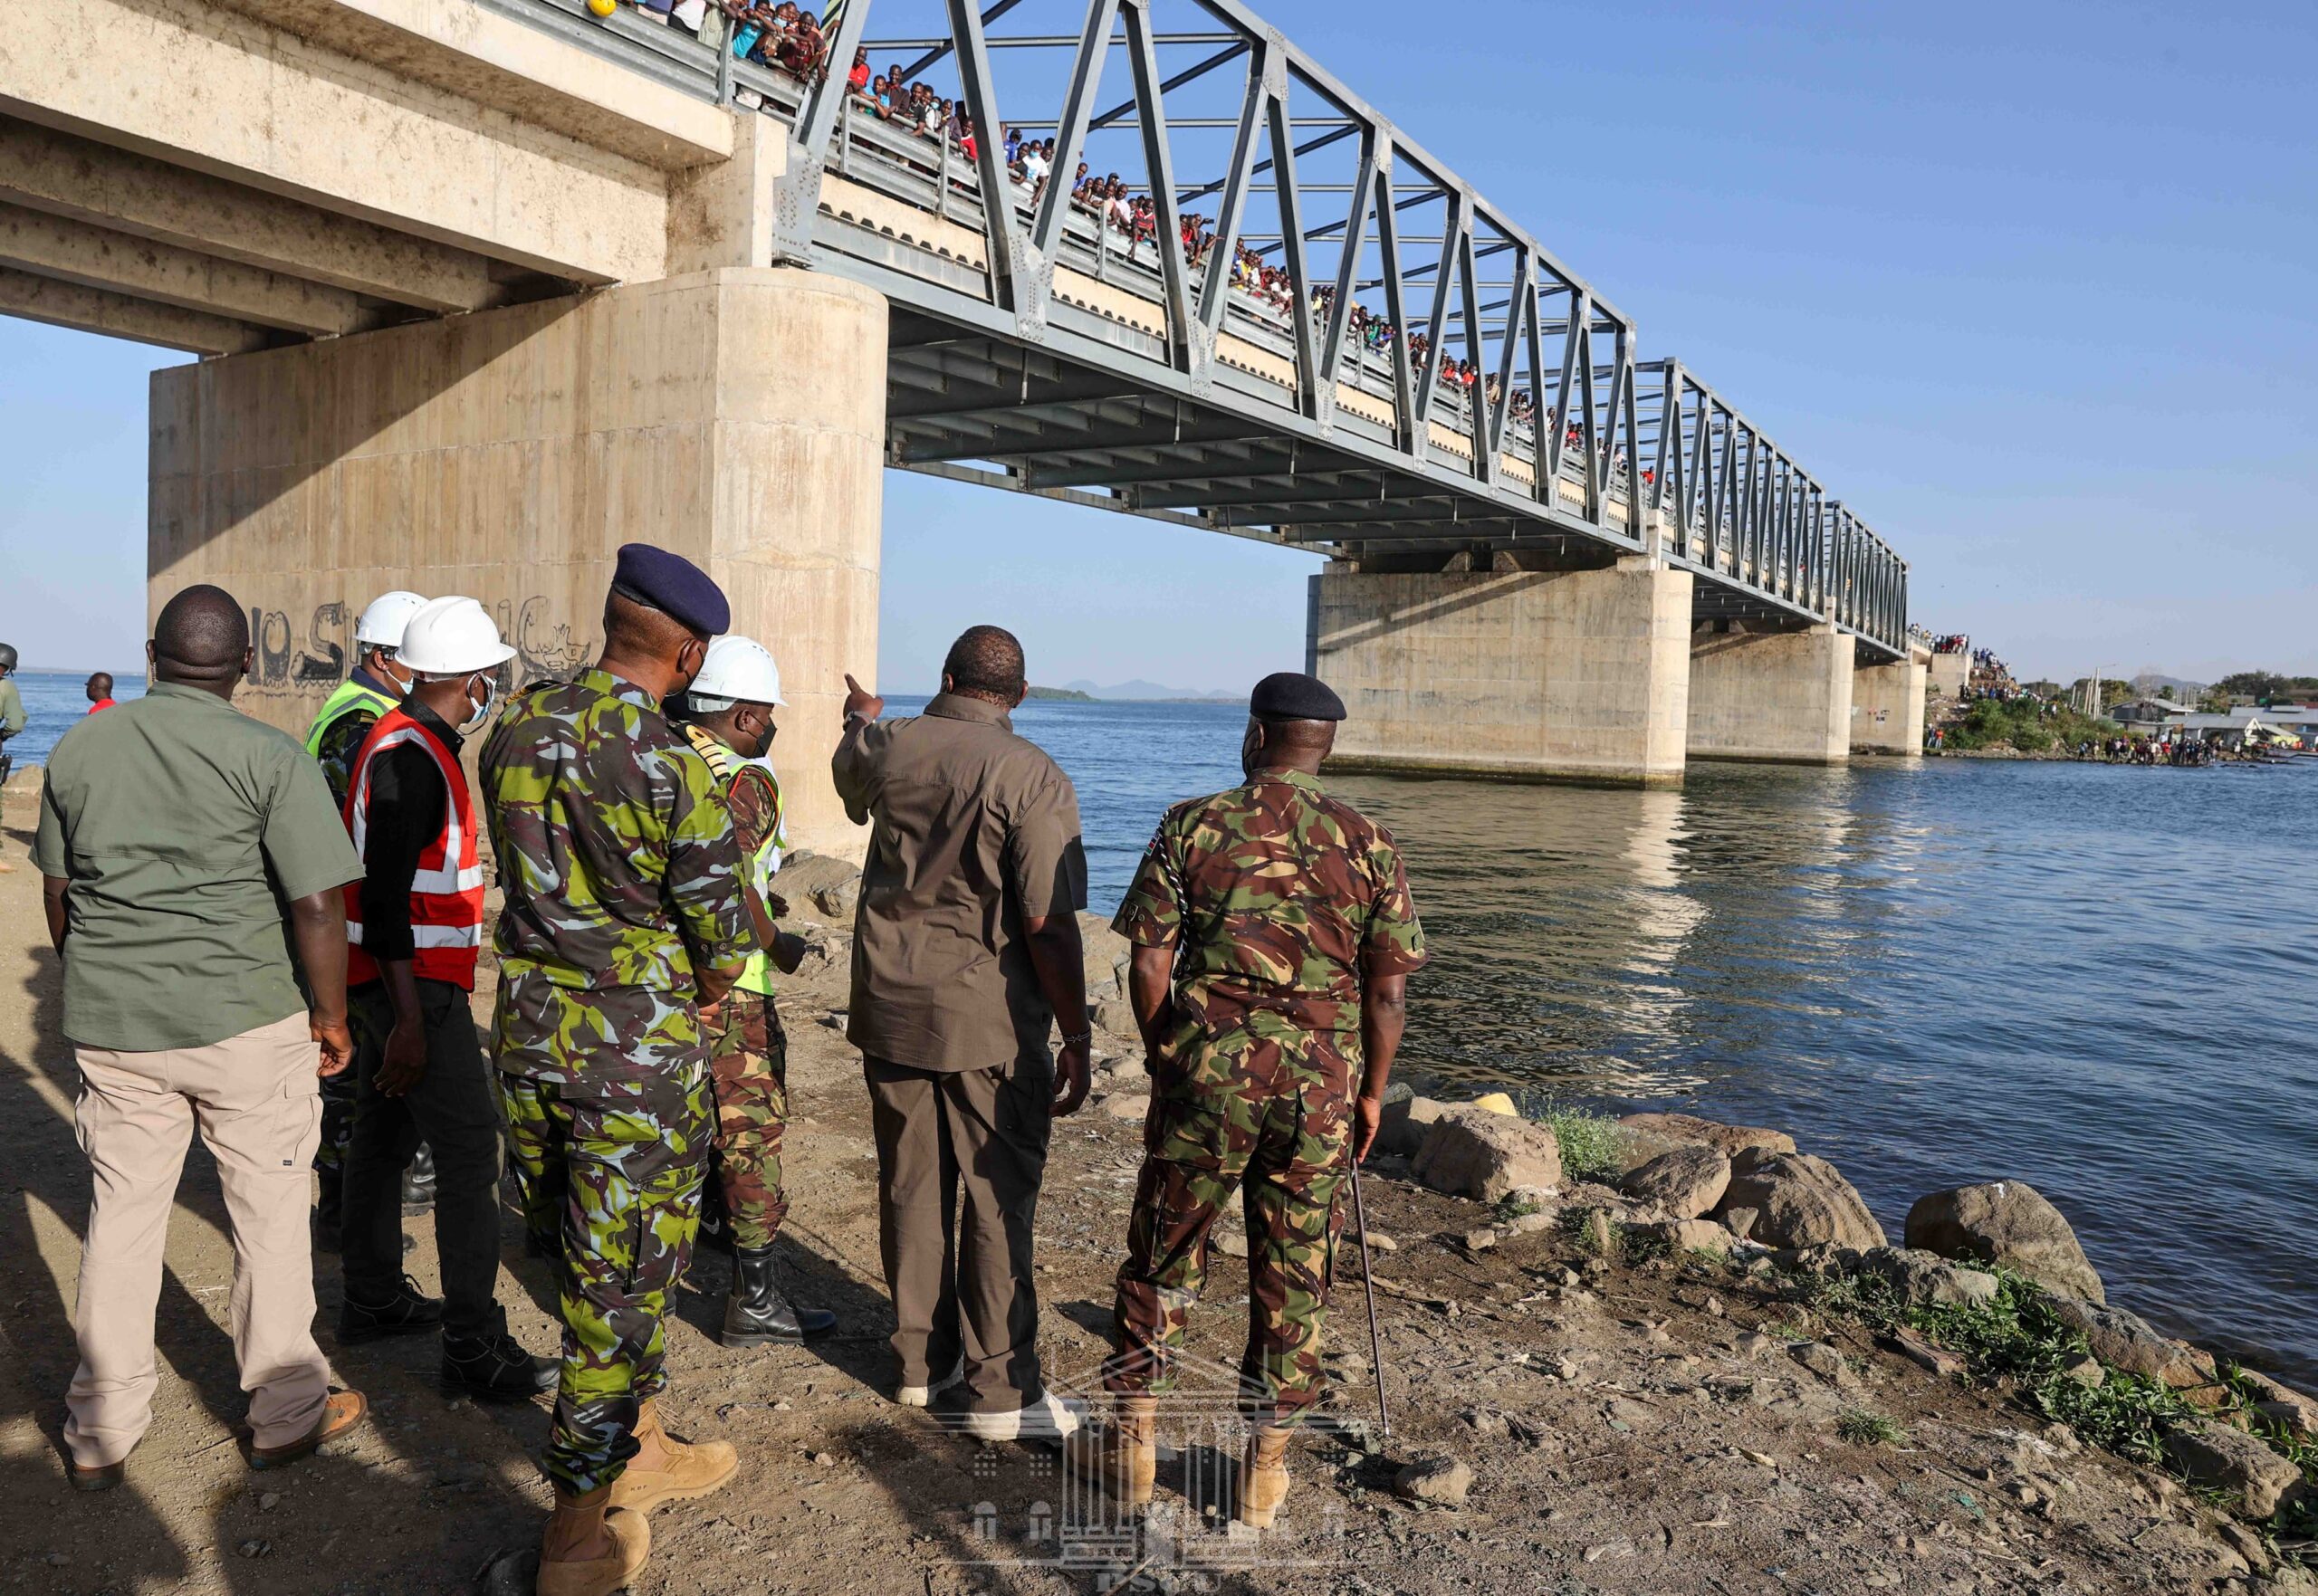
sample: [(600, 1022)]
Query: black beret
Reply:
[(1291, 696), (672, 583)]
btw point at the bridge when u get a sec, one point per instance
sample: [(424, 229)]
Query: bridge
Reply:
[(485, 287)]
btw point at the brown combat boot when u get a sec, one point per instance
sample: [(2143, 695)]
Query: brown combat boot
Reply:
[(1121, 1455), (1263, 1476), (588, 1551), (666, 1469)]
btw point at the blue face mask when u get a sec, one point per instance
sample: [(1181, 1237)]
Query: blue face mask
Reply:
[(489, 703)]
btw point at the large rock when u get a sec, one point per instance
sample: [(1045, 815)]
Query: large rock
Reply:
[(816, 883), (2225, 1459), (1925, 1279), (1401, 1129), (1681, 1184), (1798, 1201), (1107, 955), (2132, 1343), (2006, 1222), (2284, 1406), (1472, 1153), (1730, 1140)]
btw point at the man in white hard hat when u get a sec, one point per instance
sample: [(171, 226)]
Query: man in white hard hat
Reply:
[(728, 717), (413, 925), (376, 686)]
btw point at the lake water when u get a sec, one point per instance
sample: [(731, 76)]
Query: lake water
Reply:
[(54, 702), (2098, 980)]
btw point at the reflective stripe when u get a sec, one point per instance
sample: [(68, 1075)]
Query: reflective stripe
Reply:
[(448, 880), (428, 936), (445, 900)]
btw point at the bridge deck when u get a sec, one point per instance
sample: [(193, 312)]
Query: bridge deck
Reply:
[(1043, 350)]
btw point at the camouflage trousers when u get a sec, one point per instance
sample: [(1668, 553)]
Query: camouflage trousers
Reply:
[(1268, 1116), (609, 1168), (749, 1059)]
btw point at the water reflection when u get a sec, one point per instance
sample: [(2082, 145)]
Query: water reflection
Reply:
[(2092, 979), (1587, 939)]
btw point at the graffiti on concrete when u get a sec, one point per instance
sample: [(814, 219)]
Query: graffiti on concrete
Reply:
[(285, 663), (545, 651)]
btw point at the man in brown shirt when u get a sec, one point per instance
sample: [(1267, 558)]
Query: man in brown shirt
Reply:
[(965, 951)]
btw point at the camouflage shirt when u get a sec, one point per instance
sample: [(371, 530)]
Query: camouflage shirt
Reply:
[(615, 850), (1276, 896)]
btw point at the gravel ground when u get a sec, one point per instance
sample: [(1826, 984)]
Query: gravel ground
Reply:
[(1642, 1429)]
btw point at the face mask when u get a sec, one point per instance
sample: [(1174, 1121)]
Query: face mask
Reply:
[(1248, 750), (489, 703)]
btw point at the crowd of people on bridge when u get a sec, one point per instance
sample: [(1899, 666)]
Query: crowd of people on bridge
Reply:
[(795, 42)]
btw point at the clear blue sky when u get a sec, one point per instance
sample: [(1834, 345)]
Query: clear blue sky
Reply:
[(2030, 286)]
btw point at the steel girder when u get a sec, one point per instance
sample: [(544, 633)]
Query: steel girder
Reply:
[(1173, 393)]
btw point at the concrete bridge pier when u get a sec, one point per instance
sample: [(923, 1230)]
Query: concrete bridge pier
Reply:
[(1778, 696), (1887, 708), (735, 414), (1520, 674)]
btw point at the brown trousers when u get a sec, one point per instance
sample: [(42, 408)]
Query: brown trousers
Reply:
[(257, 1102), (962, 1290)]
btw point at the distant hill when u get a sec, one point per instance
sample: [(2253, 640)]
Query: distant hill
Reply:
[(1062, 694), (1140, 690)]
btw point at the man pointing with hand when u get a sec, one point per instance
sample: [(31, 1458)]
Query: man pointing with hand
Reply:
[(966, 951)]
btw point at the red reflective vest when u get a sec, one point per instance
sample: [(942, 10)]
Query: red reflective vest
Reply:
[(447, 892)]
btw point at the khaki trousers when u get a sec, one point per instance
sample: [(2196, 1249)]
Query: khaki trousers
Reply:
[(255, 1097), (963, 1286)]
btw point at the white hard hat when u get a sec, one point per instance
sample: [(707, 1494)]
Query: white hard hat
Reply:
[(381, 624), (740, 669), (451, 636)]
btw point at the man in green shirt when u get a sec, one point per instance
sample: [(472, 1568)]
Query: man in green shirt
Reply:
[(193, 867), (12, 721)]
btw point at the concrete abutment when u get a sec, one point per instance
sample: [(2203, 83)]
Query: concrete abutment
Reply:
[(1887, 710), (735, 415), (1573, 675), (1781, 697)]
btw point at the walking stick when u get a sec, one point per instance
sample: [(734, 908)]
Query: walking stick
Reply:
[(1368, 1280)]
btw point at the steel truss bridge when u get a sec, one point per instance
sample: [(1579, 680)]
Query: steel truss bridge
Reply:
[(1037, 347)]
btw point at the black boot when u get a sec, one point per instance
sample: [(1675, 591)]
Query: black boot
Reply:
[(495, 1369), (406, 1313), (418, 1181), (756, 1315)]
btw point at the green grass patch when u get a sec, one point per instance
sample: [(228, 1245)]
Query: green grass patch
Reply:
[(2018, 1337), (2022, 723), (1591, 1144), (1862, 1427)]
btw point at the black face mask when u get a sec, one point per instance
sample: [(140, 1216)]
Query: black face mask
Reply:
[(1250, 747)]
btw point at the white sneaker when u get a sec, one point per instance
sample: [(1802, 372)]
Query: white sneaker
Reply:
[(919, 1396), (1049, 1418)]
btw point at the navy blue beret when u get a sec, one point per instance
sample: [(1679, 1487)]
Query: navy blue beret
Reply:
[(1291, 696), (672, 583)]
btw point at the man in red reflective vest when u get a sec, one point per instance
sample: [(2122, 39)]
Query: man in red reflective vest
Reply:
[(414, 924)]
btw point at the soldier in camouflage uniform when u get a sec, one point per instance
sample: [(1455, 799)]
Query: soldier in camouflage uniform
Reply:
[(1273, 936), (624, 926), (728, 717)]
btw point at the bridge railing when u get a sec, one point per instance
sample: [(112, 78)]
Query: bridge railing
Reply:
[(1256, 126)]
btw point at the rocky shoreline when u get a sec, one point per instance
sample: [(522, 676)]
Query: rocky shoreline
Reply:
[(1989, 1288), (1589, 1397)]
